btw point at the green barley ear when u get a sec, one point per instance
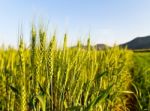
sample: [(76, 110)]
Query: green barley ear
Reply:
[(65, 42), (42, 36), (51, 52), (21, 54), (23, 76), (42, 54), (79, 45), (33, 45), (65, 53), (88, 44)]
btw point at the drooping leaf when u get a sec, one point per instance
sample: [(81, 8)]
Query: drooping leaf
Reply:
[(42, 100), (98, 99), (15, 90)]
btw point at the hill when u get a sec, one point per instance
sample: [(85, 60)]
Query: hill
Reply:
[(138, 43)]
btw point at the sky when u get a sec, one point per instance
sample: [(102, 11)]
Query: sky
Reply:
[(106, 21)]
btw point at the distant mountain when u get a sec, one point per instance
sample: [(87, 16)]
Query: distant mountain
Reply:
[(135, 44), (97, 46), (101, 46), (138, 43)]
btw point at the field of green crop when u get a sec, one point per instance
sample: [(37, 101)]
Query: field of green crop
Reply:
[(142, 78), (43, 77)]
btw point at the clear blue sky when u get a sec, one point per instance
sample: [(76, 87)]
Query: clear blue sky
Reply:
[(108, 21)]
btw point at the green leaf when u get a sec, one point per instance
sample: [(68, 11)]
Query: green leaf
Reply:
[(99, 75), (15, 90), (42, 99), (41, 89), (99, 98)]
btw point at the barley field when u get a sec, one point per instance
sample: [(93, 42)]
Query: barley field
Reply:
[(45, 77), (142, 79)]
